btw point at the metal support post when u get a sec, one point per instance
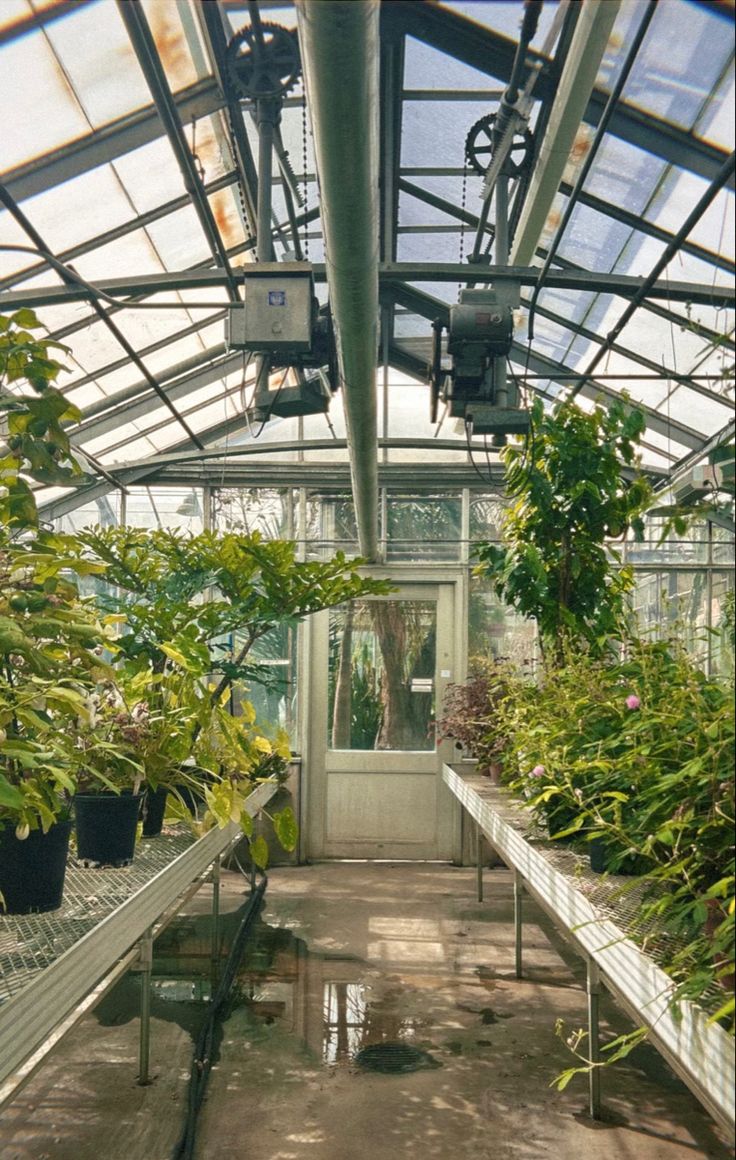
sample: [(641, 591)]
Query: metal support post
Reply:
[(145, 966), (268, 116), (479, 861), (518, 895), (215, 944), (594, 1075)]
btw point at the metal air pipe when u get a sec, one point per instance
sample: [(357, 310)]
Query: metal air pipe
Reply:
[(340, 54)]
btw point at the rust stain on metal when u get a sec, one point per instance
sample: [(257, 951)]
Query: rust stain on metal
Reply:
[(227, 217), (167, 32)]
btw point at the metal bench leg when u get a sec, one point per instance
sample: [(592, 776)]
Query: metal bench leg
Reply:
[(518, 896), (594, 1075), (215, 944), (145, 966), (479, 861)]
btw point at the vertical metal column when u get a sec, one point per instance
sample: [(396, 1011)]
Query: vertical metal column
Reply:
[(594, 1075), (145, 966), (479, 860), (215, 942), (518, 896)]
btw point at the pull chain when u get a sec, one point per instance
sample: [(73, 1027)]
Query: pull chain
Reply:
[(463, 223), (247, 224), (304, 174)]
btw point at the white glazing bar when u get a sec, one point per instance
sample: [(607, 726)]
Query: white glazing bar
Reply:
[(30, 1016), (701, 1053)]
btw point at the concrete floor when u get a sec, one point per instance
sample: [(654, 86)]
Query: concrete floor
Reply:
[(348, 956)]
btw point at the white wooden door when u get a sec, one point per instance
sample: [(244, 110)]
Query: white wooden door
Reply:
[(379, 669)]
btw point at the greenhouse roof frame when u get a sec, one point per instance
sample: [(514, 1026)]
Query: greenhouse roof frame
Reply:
[(127, 152)]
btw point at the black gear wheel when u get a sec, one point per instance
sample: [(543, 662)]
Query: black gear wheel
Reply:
[(267, 71), (479, 148)]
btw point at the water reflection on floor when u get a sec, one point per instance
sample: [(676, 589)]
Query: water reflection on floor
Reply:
[(353, 1010)]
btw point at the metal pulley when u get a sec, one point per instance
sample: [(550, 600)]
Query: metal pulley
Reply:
[(481, 141), (263, 63)]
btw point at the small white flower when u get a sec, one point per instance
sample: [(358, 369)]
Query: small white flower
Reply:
[(22, 830)]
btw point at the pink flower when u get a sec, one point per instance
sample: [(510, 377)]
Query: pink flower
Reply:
[(632, 701), (538, 771)]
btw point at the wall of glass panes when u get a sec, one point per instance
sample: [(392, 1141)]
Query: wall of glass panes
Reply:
[(684, 589), (684, 585)]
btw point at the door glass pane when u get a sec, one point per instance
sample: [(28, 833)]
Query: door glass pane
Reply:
[(381, 675)]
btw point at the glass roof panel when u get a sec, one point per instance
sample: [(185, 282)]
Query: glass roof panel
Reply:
[(150, 175), (679, 63), (175, 42), (427, 68), (717, 121), (107, 82), (33, 82), (100, 203)]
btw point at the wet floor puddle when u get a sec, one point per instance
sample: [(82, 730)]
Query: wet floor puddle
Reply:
[(337, 1011)]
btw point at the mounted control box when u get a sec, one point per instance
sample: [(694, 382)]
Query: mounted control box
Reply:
[(278, 312)]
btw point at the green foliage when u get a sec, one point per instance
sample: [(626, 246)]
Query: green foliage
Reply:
[(569, 499), (252, 585), (638, 752), (50, 662), (38, 447)]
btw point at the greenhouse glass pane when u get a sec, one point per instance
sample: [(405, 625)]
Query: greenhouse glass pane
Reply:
[(428, 68), (106, 77), (423, 527), (266, 510), (165, 507), (486, 517), (682, 57), (716, 124), (722, 621), (40, 111), (624, 175), (178, 44), (330, 524), (150, 175), (494, 630), (104, 511), (381, 675)]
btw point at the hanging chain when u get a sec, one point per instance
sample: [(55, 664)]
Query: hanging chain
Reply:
[(463, 223), (304, 174), (248, 225)]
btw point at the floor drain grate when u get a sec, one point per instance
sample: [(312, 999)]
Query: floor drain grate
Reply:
[(395, 1058)]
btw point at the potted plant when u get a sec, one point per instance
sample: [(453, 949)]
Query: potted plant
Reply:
[(110, 775), (49, 638), (471, 713)]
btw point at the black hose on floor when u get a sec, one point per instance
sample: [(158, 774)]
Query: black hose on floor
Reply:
[(202, 1058)]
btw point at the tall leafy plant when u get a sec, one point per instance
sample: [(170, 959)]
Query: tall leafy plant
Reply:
[(49, 638), (574, 487)]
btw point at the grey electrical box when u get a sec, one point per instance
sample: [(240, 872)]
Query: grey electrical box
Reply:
[(277, 314)]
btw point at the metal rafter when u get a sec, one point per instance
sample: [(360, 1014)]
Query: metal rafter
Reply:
[(144, 46), (103, 146), (493, 54), (569, 277)]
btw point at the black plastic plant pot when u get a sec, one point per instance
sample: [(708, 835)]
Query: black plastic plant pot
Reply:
[(153, 810), (32, 870), (106, 826)]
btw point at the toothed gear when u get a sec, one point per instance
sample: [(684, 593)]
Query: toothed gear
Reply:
[(479, 148), (269, 71)]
